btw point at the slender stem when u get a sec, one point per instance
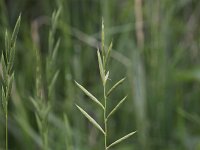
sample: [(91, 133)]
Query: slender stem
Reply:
[(105, 119), (46, 141), (6, 130)]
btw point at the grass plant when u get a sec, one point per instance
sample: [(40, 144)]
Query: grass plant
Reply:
[(43, 99), (7, 62), (103, 59)]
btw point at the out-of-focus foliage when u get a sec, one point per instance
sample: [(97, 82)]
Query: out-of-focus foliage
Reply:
[(155, 43)]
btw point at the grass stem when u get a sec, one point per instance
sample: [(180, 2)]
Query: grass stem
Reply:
[(6, 130), (105, 118)]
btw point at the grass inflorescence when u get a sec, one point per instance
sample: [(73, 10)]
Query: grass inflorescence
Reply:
[(43, 99), (7, 62), (103, 59)]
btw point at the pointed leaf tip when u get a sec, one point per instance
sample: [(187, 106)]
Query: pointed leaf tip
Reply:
[(15, 31)]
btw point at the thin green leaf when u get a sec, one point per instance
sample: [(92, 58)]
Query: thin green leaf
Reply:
[(68, 133), (4, 100), (54, 21), (102, 73), (7, 43), (116, 107), (89, 94), (46, 110), (11, 58), (53, 81), (102, 38), (39, 122), (51, 41), (15, 31), (10, 83), (67, 125), (115, 86), (35, 104), (108, 52), (55, 50), (57, 15), (121, 139), (90, 119), (4, 70)]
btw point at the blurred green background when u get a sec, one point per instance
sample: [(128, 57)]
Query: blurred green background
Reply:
[(156, 46)]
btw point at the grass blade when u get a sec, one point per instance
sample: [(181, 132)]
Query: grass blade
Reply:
[(10, 83), (102, 73), (116, 107), (15, 31), (90, 119), (4, 101), (7, 43), (121, 139), (11, 58), (69, 135), (115, 86), (4, 70), (53, 81), (108, 53), (102, 38), (55, 50), (89, 94)]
